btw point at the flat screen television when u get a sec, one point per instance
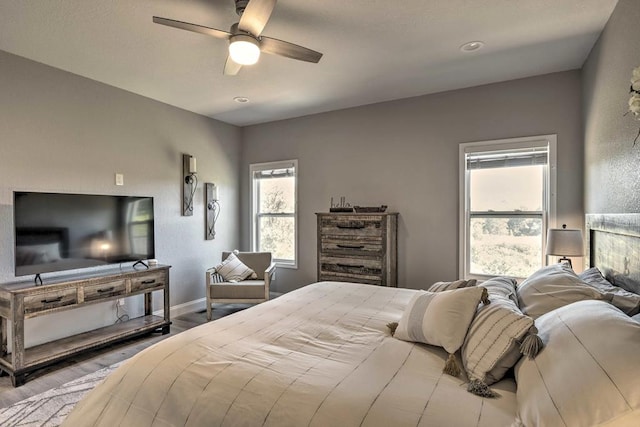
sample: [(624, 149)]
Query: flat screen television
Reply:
[(56, 232)]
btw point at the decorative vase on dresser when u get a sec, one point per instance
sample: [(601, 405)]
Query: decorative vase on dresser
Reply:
[(358, 247)]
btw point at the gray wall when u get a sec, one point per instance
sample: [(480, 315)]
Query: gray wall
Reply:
[(612, 177), (405, 154), (63, 133)]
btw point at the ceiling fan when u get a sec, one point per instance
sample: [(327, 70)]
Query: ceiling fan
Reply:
[(245, 41)]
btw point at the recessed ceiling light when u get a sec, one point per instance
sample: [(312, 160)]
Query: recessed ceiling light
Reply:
[(472, 46), (241, 99)]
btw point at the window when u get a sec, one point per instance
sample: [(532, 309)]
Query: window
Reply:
[(274, 210), (140, 226), (507, 191)]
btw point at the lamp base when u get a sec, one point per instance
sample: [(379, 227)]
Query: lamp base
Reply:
[(565, 260)]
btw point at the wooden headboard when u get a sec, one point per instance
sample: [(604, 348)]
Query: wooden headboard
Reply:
[(613, 245)]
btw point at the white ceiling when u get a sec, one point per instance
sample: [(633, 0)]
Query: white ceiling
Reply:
[(374, 50)]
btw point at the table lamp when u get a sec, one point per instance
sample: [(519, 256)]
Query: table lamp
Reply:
[(565, 242)]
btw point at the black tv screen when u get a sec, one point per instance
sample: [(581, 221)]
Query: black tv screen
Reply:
[(56, 232)]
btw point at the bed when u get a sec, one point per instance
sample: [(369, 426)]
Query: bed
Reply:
[(323, 355), (44, 249)]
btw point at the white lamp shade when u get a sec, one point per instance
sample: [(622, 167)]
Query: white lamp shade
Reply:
[(565, 242), (244, 50)]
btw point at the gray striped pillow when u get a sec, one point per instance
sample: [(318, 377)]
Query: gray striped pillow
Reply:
[(447, 286), (626, 301), (492, 345), (440, 319), (233, 270)]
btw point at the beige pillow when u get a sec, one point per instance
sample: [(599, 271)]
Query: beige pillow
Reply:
[(552, 287), (233, 270), (497, 333), (441, 319), (588, 372), (447, 286)]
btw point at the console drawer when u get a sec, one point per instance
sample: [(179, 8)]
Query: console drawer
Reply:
[(104, 290), (147, 281), (50, 300)]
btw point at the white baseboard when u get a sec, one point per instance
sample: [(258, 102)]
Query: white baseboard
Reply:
[(184, 308)]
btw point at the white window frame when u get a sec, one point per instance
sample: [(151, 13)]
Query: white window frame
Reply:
[(256, 167), (549, 199)]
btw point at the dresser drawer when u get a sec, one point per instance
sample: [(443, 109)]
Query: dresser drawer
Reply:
[(348, 225), (354, 267), (50, 300), (349, 277), (104, 290), (148, 281), (351, 247), (357, 247)]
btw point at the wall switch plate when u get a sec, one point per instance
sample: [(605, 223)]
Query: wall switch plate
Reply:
[(119, 179), (121, 301)]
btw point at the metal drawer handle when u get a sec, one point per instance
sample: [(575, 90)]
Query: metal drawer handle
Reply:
[(351, 226), (148, 282), (49, 301), (101, 291), (351, 246), (349, 266)]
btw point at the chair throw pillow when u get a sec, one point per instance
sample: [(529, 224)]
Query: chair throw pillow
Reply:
[(498, 335), (233, 270), (447, 286), (440, 319), (552, 287)]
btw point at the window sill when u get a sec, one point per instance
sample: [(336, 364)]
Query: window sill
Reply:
[(290, 266)]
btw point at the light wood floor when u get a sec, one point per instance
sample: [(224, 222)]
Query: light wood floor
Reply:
[(86, 363)]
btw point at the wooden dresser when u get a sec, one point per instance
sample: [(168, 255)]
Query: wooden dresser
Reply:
[(24, 300), (358, 247)]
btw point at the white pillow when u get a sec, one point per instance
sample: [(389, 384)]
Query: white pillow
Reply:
[(621, 298), (38, 254), (496, 334), (441, 319), (587, 373), (552, 287), (233, 270)]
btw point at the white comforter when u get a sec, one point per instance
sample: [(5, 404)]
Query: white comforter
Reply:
[(320, 356)]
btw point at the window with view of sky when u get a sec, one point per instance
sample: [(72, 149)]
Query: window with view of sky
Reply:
[(507, 201), (276, 221), (274, 210), (506, 220)]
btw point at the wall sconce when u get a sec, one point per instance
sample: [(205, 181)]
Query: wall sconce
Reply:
[(213, 210), (189, 183), (565, 242)]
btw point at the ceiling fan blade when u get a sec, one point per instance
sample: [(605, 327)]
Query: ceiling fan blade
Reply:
[(289, 50), (231, 68), (256, 15), (192, 27)]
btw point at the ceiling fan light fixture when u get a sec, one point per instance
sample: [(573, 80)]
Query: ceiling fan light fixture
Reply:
[(244, 49)]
